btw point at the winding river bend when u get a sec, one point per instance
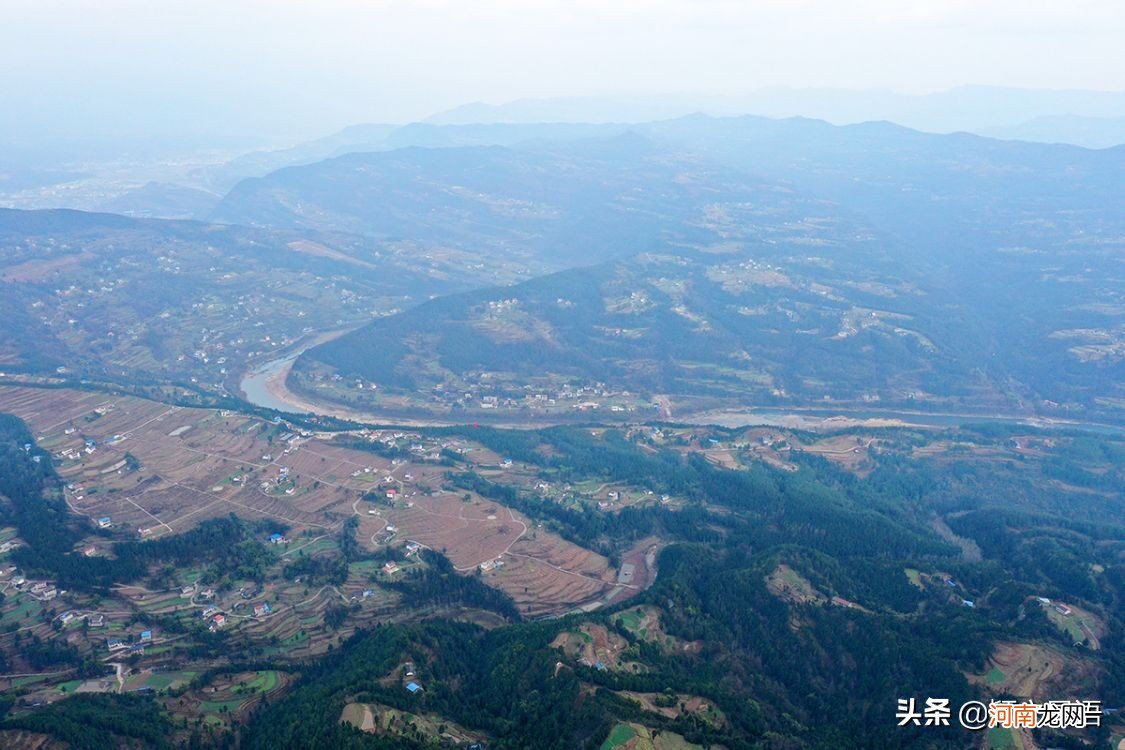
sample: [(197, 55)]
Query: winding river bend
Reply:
[(265, 386), (256, 385)]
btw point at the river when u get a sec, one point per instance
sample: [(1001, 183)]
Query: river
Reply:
[(256, 385), (265, 386)]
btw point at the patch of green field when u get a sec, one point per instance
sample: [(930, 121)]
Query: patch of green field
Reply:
[(1069, 625), (620, 734), (790, 585), (164, 680), (364, 567), (727, 374), (320, 545), (630, 620), (298, 639), (914, 576), (673, 741), (28, 680), (70, 687), (214, 707), (159, 681), (263, 683), (149, 605), (1000, 738), (995, 675), (28, 608)]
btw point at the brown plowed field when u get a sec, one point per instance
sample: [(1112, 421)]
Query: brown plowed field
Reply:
[(196, 464)]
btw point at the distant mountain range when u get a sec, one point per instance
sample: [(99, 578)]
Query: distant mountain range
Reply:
[(925, 189), (726, 261), (757, 259), (1092, 119), (564, 205), (1090, 132), (119, 173), (978, 109)]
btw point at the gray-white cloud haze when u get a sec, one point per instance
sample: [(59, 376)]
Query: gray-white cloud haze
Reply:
[(288, 67)]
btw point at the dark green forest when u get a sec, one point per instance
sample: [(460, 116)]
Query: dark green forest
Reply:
[(832, 682), (785, 674)]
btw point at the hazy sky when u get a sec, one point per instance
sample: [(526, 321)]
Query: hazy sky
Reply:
[(283, 66)]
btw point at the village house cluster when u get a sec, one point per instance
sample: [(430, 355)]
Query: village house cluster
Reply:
[(486, 391)]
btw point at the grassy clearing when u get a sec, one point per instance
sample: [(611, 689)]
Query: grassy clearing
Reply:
[(381, 719), (639, 737), (164, 680), (790, 586), (70, 687), (297, 639), (1068, 625), (320, 545), (619, 735), (262, 683), (364, 568), (29, 680), (28, 609), (1000, 738), (215, 707), (631, 620)]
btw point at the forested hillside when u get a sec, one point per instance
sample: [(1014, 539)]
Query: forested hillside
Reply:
[(800, 605), (755, 262)]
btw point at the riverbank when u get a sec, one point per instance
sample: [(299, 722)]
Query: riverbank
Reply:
[(266, 386)]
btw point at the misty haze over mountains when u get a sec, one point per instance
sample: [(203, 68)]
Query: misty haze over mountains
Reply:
[(664, 423), (1005, 244), (562, 375), (102, 172), (969, 108), (974, 275)]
